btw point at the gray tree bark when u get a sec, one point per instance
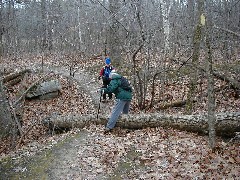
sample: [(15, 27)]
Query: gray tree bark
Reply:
[(44, 44), (226, 123), (1, 30), (6, 118), (196, 52), (191, 20), (114, 34), (211, 94)]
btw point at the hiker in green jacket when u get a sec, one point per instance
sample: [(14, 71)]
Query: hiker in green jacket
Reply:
[(123, 96)]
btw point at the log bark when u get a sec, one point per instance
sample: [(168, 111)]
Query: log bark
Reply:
[(226, 123), (173, 104), (12, 76), (14, 81)]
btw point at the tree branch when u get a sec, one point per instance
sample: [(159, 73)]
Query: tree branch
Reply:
[(227, 30), (25, 92)]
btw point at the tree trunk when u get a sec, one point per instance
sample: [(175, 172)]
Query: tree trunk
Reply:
[(6, 118), (195, 57), (211, 93), (167, 5), (191, 18), (226, 123), (44, 45), (1, 30), (114, 34)]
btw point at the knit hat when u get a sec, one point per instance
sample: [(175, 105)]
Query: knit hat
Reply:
[(108, 61), (113, 73)]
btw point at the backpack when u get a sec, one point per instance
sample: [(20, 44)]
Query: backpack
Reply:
[(107, 71), (125, 84)]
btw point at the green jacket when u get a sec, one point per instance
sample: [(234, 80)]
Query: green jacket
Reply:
[(114, 87)]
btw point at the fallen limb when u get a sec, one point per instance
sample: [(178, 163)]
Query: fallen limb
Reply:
[(15, 118), (234, 83), (24, 134), (227, 30), (227, 78), (163, 106), (28, 89), (173, 104), (226, 123)]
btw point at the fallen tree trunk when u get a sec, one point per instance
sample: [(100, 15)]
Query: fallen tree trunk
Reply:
[(14, 75), (14, 81), (226, 123)]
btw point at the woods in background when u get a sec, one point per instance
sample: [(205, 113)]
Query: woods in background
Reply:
[(155, 43)]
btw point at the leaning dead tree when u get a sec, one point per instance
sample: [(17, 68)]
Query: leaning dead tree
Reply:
[(226, 123), (10, 121), (11, 112)]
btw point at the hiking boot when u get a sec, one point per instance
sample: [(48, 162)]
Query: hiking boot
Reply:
[(107, 130)]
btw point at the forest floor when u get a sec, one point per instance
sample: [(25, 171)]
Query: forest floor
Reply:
[(88, 153)]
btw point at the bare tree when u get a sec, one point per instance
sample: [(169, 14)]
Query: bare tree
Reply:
[(196, 52), (211, 98), (44, 25), (211, 93), (114, 34), (190, 21), (139, 32), (1, 30), (166, 8)]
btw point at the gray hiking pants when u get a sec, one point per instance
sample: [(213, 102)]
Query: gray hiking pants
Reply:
[(120, 106)]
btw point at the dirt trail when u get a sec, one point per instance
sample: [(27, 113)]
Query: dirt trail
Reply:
[(87, 82), (60, 161), (54, 163)]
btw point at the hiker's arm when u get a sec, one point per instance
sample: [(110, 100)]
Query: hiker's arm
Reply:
[(101, 72), (111, 87)]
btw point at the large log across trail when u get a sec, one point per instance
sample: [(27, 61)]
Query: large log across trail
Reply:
[(226, 123)]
